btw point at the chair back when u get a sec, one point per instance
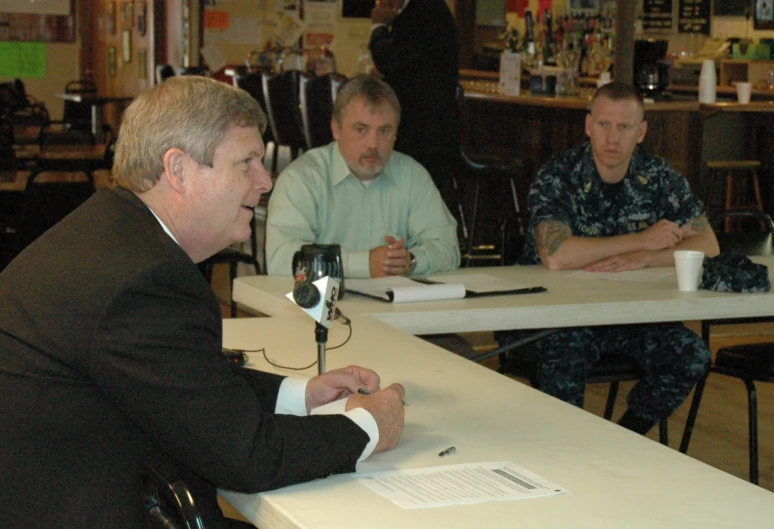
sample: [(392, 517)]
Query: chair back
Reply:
[(77, 116), (748, 242), (281, 93), (164, 72), (44, 204), (252, 84), (194, 70), (167, 502), (317, 95), (8, 161)]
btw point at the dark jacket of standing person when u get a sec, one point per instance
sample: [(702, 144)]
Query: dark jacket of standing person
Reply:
[(418, 55)]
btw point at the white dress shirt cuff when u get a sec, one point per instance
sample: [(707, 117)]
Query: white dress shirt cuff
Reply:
[(291, 397), (359, 416)]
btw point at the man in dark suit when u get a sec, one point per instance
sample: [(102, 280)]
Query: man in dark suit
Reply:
[(414, 46), (110, 337)]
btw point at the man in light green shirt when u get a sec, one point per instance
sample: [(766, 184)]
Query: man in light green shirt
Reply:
[(380, 206)]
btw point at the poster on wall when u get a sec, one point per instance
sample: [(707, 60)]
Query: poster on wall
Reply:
[(657, 15), (764, 14)]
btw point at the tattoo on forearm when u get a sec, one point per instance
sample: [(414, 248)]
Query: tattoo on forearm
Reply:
[(550, 235), (700, 224)]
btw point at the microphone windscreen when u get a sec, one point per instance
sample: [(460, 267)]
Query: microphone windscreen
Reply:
[(306, 294)]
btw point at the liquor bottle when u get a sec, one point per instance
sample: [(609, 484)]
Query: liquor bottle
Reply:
[(530, 29), (548, 48)]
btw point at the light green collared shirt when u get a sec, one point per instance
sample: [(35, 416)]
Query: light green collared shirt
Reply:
[(318, 199)]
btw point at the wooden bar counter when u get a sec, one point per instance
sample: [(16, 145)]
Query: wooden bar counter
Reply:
[(685, 132)]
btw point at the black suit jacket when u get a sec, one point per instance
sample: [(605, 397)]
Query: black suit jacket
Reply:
[(419, 58), (110, 350)]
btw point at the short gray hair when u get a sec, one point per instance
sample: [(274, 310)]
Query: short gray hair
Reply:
[(375, 92), (189, 112)]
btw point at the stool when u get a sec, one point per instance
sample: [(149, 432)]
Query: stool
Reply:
[(749, 363), (484, 171), (739, 175)]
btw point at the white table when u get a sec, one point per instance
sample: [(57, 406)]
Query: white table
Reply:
[(617, 479), (569, 302)]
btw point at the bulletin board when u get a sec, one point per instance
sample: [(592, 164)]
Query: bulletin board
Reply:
[(38, 21)]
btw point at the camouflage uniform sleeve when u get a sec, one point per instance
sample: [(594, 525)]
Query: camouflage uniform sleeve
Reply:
[(547, 200), (681, 205)]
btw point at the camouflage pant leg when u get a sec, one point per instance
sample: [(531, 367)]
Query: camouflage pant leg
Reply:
[(562, 360), (671, 357)]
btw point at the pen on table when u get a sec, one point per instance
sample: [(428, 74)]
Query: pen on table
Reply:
[(447, 452)]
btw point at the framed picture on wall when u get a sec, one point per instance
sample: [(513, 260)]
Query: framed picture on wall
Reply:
[(142, 18), (126, 45), (764, 14), (111, 18), (111, 58), (590, 7)]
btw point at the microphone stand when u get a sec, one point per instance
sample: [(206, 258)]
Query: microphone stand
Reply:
[(321, 336)]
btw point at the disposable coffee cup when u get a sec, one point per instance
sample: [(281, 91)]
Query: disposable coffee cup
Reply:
[(688, 266), (743, 92)]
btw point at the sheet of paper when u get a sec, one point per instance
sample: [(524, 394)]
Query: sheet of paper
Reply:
[(646, 275), (378, 286), (480, 282), (422, 488), (427, 292), (404, 290)]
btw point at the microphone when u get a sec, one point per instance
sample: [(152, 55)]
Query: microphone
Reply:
[(318, 299), (305, 295)]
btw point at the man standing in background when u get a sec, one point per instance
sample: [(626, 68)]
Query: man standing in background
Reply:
[(414, 46)]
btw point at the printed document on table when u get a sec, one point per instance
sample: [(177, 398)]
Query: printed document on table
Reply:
[(422, 488)]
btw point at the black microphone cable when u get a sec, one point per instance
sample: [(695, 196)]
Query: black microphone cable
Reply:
[(345, 321)]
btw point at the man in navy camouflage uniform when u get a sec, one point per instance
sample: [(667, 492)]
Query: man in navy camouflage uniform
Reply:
[(608, 206)]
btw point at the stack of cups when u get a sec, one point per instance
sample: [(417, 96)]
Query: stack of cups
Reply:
[(688, 266), (707, 82)]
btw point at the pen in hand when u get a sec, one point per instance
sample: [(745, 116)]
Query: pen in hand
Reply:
[(366, 391)]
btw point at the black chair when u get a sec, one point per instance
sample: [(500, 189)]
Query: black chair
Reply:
[(203, 71), (486, 171), (167, 502), (46, 203), (164, 72), (281, 94), (232, 257), (317, 96), (251, 82), (609, 370), (75, 126), (749, 362)]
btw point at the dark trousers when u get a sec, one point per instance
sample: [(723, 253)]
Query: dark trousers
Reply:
[(671, 357)]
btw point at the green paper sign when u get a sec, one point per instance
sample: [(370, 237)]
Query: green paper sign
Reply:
[(22, 59)]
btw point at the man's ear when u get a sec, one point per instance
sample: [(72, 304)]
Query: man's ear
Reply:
[(642, 130), (174, 168), (335, 129)]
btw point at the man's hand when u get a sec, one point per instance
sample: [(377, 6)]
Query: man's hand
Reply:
[(620, 263), (338, 384), (386, 407), (663, 234), (392, 259), (383, 13)]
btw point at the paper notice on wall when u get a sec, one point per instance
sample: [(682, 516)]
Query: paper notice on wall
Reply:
[(246, 31), (213, 57), (288, 30), (320, 16)]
